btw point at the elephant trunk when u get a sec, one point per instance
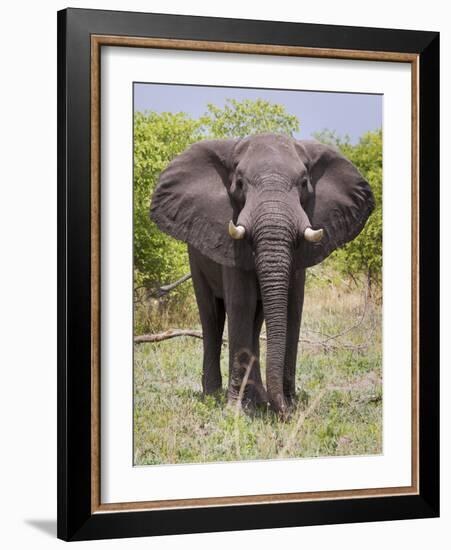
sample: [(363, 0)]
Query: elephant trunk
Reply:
[(274, 234)]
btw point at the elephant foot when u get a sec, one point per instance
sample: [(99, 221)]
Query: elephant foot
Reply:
[(280, 406), (245, 383), (291, 400), (211, 387), (261, 395), (254, 397), (213, 391)]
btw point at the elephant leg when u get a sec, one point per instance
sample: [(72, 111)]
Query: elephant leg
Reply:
[(241, 358), (294, 316), (240, 302), (260, 392), (212, 329), (212, 317)]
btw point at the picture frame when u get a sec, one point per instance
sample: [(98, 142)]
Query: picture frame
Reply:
[(81, 36)]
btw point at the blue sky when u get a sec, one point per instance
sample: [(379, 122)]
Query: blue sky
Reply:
[(346, 113)]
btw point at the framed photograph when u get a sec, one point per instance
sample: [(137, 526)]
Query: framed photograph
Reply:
[(248, 274)]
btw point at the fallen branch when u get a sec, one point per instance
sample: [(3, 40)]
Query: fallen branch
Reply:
[(172, 333), (327, 343)]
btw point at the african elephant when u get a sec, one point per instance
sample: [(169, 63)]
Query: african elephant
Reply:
[(256, 212)]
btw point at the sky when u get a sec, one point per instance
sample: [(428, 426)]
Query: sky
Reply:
[(346, 113)]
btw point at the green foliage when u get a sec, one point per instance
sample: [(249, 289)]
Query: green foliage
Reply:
[(363, 255), (247, 117), (158, 138)]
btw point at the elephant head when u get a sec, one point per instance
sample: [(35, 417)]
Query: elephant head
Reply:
[(267, 202)]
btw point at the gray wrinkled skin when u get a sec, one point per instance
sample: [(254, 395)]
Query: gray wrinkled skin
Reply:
[(275, 187)]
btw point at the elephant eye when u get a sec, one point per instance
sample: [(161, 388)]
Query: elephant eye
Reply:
[(239, 183), (304, 182)]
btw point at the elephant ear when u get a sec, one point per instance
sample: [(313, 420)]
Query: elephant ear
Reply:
[(191, 203), (340, 204)]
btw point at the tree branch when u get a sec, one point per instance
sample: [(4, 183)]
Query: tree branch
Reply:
[(171, 333), (163, 290), (167, 288), (176, 332)]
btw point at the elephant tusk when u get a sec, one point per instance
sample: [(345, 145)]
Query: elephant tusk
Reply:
[(236, 232), (313, 235)]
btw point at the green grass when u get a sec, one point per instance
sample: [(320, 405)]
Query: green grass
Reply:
[(339, 386)]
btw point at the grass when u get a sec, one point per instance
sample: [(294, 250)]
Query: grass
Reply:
[(339, 386)]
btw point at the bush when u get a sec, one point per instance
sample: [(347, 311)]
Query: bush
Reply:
[(363, 255), (247, 117), (158, 138)]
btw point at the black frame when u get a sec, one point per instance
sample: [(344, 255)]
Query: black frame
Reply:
[(75, 520)]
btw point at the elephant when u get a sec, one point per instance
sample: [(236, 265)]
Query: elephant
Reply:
[(255, 213)]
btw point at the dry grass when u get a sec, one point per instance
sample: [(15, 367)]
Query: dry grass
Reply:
[(339, 410)]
